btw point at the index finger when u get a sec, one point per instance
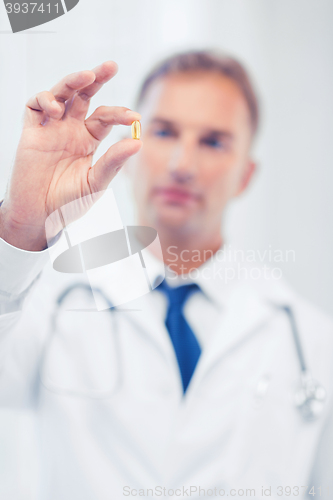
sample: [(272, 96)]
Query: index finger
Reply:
[(79, 106), (104, 72), (67, 87)]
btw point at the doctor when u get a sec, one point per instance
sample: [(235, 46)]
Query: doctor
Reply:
[(190, 392)]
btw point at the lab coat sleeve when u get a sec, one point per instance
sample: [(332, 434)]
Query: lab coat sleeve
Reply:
[(19, 349)]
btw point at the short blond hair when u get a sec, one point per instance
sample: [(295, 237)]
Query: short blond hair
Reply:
[(210, 61)]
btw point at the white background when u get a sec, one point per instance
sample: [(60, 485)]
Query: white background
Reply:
[(288, 47)]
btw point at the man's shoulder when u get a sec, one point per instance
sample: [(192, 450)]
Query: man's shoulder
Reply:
[(310, 316), (271, 286)]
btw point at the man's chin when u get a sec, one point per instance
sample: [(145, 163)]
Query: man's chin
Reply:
[(169, 217), (172, 220)]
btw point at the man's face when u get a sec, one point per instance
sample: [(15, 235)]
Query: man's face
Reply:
[(196, 139)]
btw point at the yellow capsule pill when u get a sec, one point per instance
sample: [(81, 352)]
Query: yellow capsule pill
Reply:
[(136, 130)]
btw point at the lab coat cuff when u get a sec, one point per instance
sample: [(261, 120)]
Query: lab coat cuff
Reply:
[(18, 269)]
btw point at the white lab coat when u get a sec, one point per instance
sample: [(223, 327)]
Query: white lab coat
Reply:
[(107, 393)]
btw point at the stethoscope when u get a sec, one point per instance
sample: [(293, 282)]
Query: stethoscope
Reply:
[(44, 377), (309, 397)]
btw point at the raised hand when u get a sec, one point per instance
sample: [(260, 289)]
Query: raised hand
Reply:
[(54, 159)]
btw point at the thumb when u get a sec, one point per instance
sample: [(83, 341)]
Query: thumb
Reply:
[(107, 167)]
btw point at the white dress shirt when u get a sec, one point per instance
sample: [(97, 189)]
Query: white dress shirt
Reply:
[(202, 310)]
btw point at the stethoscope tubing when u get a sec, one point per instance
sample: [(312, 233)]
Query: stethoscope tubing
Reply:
[(307, 393)]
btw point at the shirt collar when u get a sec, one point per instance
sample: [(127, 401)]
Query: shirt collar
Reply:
[(219, 275), (207, 276)]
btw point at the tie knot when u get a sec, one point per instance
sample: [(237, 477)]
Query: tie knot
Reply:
[(177, 295)]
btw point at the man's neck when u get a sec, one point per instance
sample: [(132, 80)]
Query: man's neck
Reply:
[(185, 252)]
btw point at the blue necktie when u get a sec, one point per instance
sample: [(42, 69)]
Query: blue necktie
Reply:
[(186, 346)]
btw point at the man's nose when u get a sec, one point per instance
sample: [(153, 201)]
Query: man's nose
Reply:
[(183, 161)]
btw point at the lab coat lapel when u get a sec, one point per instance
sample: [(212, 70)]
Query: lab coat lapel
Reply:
[(141, 312), (151, 325), (245, 311)]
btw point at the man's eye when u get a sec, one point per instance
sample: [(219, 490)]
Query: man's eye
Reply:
[(163, 132), (213, 142)]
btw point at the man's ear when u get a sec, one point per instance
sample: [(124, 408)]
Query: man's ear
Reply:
[(251, 167)]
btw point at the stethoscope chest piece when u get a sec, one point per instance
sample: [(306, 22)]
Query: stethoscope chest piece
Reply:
[(310, 398)]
